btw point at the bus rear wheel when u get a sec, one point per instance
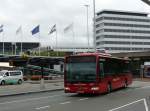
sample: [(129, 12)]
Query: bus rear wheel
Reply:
[(19, 81), (109, 88), (125, 84)]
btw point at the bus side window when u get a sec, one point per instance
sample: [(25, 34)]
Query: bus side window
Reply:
[(101, 70)]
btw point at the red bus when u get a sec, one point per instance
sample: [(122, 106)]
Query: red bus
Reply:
[(95, 73)]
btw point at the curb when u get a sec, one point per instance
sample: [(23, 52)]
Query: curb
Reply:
[(38, 82), (31, 92)]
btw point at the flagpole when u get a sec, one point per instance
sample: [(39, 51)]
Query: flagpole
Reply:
[(21, 39), (3, 43), (56, 43), (15, 47), (87, 6), (39, 44), (94, 28), (15, 44), (12, 48), (47, 51), (73, 37), (39, 47)]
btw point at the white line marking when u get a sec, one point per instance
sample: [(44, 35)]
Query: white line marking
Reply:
[(127, 105), (66, 102), (44, 107), (146, 106), (31, 99), (83, 99)]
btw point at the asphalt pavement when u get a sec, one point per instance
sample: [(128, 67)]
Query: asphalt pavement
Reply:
[(29, 87), (130, 99)]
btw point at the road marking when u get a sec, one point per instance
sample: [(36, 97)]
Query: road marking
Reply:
[(130, 104), (146, 106), (31, 99), (65, 102), (83, 99), (44, 107)]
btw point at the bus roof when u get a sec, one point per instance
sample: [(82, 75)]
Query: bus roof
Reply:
[(100, 55)]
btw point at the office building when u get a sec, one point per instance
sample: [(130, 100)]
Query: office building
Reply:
[(122, 31)]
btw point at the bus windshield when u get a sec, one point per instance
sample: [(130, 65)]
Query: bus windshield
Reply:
[(81, 69)]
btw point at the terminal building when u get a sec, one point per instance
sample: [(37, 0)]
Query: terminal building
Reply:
[(122, 31), (12, 48)]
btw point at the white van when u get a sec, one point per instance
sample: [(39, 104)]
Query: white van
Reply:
[(11, 77)]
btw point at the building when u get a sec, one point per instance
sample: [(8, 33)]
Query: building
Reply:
[(122, 31), (9, 47), (68, 49)]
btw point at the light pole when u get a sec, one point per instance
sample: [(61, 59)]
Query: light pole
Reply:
[(87, 6), (94, 29)]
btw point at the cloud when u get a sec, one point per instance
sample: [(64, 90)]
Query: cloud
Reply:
[(30, 13)]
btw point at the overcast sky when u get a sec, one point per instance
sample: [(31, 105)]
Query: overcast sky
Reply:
[(46, 13)]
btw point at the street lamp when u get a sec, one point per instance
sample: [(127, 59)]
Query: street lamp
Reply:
[(87, 6), (94, 28)]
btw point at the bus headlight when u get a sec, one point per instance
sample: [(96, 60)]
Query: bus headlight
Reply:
[(95, 88), (67, 88)]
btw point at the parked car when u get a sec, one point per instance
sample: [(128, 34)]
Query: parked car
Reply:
[(11, 77)]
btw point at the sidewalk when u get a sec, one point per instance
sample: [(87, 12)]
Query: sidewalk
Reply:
[(140, 83), (142, 79), (27, 88), (45, 81)]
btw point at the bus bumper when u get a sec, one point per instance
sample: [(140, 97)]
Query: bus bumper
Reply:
[(92, 90)]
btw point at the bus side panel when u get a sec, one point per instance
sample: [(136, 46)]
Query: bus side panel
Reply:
[(129, 79), (117, 82), (103, 87), (104, 83)]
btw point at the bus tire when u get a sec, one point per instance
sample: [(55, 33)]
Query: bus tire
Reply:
[(125, 84), (3, 82), (19, 81), (109, 88)]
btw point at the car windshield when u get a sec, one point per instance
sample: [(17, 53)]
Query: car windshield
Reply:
[(81, 71)]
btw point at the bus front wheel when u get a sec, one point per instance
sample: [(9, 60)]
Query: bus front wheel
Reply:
[(3, 83)]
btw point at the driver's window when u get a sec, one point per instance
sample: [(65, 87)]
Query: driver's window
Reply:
[(6, 74)]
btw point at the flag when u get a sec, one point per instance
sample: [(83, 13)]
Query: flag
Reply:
[(53, 29), (1, 28), (66, 29), (147, 2), (18, 30), (36, 30)]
